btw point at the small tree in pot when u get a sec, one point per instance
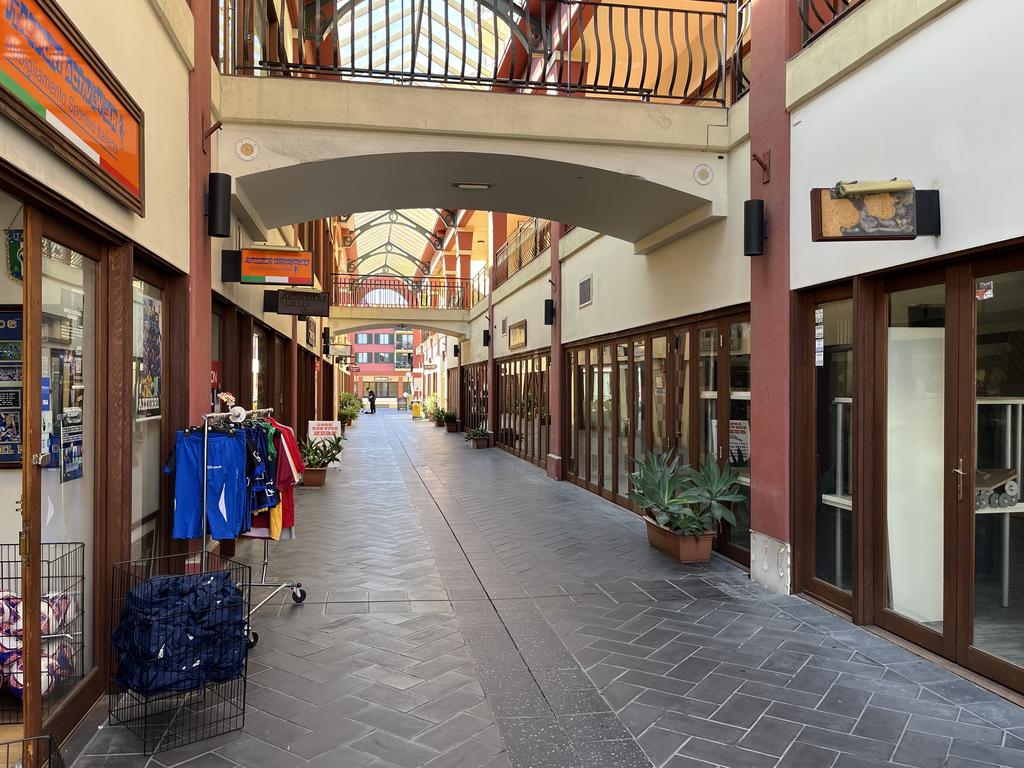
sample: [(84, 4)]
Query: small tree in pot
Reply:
[(349, 406), (479, 437), (317, 455), (432, 410), (683, 506)]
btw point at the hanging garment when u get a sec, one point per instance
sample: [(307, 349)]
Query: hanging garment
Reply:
[(178, 633), (225, 484), (262, 483)]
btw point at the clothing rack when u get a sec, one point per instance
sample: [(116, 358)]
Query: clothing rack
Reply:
[(238, 416)]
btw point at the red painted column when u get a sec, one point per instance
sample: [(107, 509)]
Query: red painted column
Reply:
[(199, 298), (776, 37), (499, 234), (556, 390), (293, 375)]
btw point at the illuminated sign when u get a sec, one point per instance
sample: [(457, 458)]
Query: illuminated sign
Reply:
[(267, 266), (55, 86)]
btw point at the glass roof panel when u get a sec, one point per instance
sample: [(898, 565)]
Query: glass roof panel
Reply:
[(393, 242), (437, 38)]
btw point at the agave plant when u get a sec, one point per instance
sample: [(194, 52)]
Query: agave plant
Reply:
[(687, 500)]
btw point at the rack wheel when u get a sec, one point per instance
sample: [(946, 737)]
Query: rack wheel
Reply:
[(251, 639), (299, 595)]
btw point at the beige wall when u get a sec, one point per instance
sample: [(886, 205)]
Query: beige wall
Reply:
[(140, 52), (955, 130), (704, 271)]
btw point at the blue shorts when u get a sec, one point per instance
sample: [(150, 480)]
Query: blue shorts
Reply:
[(225, 485)]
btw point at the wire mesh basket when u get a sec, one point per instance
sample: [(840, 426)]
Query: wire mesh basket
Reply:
[(33, 752), (61, 617), (178, 651)]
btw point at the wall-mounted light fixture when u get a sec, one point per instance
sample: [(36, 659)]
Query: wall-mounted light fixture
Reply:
[(755, 228), (474, 185), (487, 337), (549, 311), (218, 205)]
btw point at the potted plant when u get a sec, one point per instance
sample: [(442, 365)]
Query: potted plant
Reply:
[(479, 437), (317, 455), (349, 407), (451, 421), (430, 408), (683, 507)]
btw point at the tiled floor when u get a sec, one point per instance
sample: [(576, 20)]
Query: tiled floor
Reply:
[(465, 611)]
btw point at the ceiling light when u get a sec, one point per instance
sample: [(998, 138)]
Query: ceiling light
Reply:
[(477, 185)]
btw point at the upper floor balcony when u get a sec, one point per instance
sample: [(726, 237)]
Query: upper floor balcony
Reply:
[(817, 16), (691, 52)]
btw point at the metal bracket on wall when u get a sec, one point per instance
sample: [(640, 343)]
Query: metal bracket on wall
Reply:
[(766, 164), (208, 132)]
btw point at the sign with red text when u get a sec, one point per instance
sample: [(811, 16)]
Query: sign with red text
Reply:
[(55, 86)]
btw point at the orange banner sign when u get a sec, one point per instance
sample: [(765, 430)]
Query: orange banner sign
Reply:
[(56, 83), (277, 267)]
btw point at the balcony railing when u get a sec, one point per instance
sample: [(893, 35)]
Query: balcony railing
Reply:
[(620, 49), (480, 286), (739, 69), (525, 243), (816, 16), (399, 292)]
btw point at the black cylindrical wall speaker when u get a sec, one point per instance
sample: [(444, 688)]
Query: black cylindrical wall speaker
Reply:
[(487, 337), (549, 311), (455, 350), (218, 206), (754, 229)]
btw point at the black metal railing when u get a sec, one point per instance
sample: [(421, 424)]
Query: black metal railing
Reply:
[(480, 286), (740, 67), (526, 242), (816, 16), (537, 46), (399, 292)]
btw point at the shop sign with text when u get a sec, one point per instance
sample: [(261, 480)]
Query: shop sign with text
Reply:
[(267, 266), (55, 86)]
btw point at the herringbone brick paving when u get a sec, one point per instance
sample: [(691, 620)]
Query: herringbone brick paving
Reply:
[(465, 611)]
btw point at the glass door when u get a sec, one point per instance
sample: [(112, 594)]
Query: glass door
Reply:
[(994, 583), (921, 469), (64, 563), (723, 413)]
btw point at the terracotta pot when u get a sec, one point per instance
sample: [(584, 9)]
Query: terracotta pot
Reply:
[(348, 422), (438, 422), (314, 477), (685, 549), (481, 442), (451, 426)]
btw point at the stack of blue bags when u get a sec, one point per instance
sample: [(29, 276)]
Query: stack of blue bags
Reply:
[(179, 633)]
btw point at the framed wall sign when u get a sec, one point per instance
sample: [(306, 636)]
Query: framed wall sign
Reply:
[(55, 86), (517, 335)]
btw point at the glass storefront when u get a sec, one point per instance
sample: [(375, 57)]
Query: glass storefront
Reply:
[(998, 620), (833, 432), (68, 436), (148, 381)]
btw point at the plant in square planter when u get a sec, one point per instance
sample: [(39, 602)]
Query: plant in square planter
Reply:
[(451, 421), (318, 455), (683, 506), (479, 437)]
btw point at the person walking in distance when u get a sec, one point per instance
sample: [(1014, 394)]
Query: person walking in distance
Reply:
[(372, 397)]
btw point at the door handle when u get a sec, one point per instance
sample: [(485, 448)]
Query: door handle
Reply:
[(959, 472)]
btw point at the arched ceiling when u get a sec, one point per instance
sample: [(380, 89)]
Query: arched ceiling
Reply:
[(393, 242)]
